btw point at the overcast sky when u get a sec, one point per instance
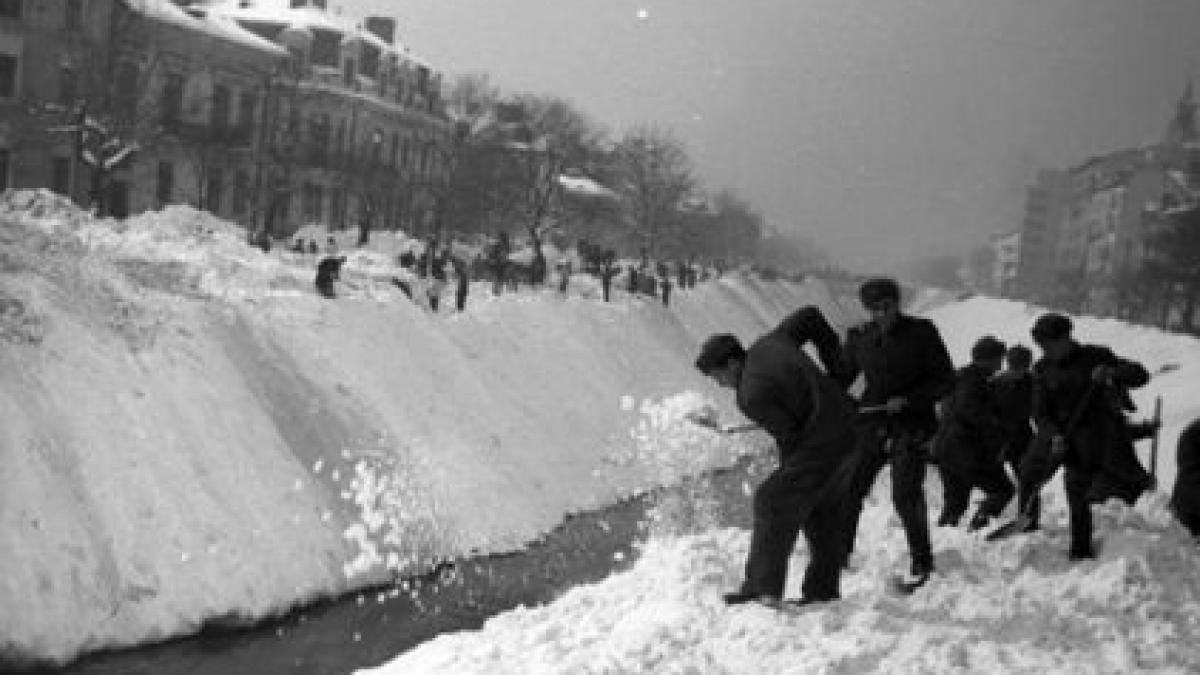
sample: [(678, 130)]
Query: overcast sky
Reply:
[(885, 129)]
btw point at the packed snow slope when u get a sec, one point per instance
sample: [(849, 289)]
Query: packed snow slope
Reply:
[(191, 434), (1015, 606)]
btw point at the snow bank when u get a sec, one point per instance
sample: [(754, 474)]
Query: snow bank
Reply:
[(190, 434)]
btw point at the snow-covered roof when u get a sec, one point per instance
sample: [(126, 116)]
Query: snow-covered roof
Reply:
[(282, 13), (585, 186), (203, 21)]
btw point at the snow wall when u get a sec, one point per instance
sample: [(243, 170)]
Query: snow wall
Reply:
[(190, 434)]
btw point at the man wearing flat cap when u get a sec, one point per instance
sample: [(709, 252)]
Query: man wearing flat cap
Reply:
[(969, 444), (1080, 397), (811, 419), (906, 370)]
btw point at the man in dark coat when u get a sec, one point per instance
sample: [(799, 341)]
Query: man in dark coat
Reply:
[(1013, 390), (1080, 425), (781, 389), (968, 445), (329, 270), (1185, 498), (907, 370)]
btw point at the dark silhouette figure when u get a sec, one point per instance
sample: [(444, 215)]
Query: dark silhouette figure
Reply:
[(329, 270)]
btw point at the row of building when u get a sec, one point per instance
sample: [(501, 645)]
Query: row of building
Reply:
[(272, 113), (1088, 230)]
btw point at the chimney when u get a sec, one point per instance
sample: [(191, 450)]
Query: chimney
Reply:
[(382, 27)]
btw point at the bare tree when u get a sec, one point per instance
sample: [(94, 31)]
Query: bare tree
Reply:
[(107, 105), (654, 177)]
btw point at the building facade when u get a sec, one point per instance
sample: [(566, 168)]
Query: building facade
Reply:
[(1006, 257), (275, 114), (358, 125), (1045, 211)]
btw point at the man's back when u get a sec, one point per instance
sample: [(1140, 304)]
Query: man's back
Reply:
[(808, 414)]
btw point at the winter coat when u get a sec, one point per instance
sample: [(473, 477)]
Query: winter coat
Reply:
[(807, 325), (908, 360), (970, 429), (1100, 441), (1185, 498), (1013, 393), (807, 413)]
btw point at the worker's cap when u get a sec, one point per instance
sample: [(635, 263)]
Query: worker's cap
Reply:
[(987, 348), (1050, 327), (717, 351), (876, 290)]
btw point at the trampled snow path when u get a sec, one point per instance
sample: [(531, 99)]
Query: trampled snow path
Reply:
[(1007, 607)]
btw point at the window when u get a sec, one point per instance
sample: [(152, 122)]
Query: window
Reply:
[(127, 87), (325, 48), (74, 15), (67, 86), (318, 126), (405, 153), (370, 61), (241, 192), (172, 102), (423, 80), (5, 160), (118, 199), (166, 183), (213, 191), (247, 108), (219, 114), (60, 175), (10, 9), (8, 75), (348, 72)]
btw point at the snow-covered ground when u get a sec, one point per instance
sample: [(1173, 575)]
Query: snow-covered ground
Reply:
[(189, 432), (1003, 607)]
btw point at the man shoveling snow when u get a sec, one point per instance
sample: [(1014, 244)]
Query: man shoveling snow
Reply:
[(812, 421)]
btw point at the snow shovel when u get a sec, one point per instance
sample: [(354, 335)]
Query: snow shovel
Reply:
[(707, 422), (1025, 515)]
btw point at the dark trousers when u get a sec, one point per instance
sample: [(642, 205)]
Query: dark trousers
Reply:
[(784, 506), (1078, 482), (958, 481), (905, 454), (460, 300)]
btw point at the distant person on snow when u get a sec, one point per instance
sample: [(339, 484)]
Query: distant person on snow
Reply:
[(608, 270), (462, 278), (907, 370), (329, 270), (968, 444), (1081, 426), (812, 421), (1185, 498)]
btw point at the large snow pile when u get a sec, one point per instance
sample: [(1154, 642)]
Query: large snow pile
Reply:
[(1012, 606), (190, 432)]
